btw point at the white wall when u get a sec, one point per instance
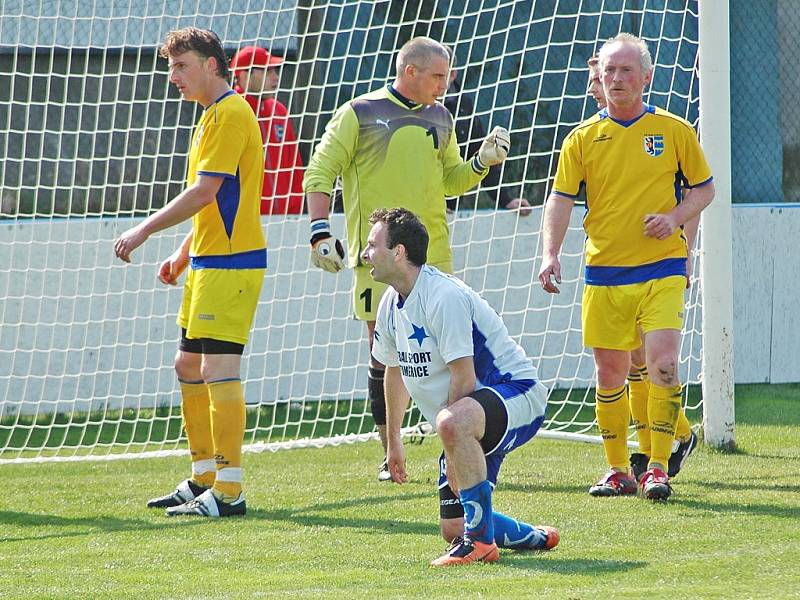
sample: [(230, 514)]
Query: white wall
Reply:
[(81, 330), (766, 272)]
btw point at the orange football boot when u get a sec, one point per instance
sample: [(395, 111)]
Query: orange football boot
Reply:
[(465, 551)]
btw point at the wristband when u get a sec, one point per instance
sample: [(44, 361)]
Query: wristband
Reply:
[(320, 229)]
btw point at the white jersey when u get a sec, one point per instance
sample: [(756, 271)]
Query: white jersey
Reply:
[(443, 319)]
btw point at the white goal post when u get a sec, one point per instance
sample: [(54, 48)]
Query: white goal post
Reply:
[(93, 138), (717, 260)]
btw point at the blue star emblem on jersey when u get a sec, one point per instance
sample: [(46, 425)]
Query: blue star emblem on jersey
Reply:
[(654, 145), (419, 334)]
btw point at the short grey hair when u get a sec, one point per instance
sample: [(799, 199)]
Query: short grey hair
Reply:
[(628, 38), (418, 52)]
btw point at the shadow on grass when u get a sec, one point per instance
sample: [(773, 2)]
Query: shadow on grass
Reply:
[(768, 510), (750, 454), (750, 486), (327, 520), (567, 566), (88, 525), (312, 515), (308, 516), (539, 488)]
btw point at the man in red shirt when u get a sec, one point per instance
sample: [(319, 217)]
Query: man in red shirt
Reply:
[(256, 77)]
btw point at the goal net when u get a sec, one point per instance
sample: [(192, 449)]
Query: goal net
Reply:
[(93, 138)]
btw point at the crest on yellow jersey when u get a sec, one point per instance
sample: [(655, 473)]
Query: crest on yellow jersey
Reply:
[(654, 145)]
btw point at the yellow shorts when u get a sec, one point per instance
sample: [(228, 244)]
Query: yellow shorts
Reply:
[(367, 292), (611, 314), (220, 303)]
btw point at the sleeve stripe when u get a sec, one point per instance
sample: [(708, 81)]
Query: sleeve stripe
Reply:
[(564, 194), (701, 184), (215, 174)]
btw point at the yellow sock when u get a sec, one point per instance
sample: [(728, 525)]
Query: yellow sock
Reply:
[(227, 426), (664, 407), (682, 429), (639, 391), (197, 423), (613, 416)]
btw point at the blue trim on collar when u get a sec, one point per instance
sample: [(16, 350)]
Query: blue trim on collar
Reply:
[(647, 109), (406, 102), (225, 95)]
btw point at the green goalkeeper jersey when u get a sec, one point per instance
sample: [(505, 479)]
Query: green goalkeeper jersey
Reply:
[(392, 152)]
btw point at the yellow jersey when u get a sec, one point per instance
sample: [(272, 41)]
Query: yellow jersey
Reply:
[(631, 169), (226, 143)]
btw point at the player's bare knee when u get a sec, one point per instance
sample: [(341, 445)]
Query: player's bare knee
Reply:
[(186, 367), (609, 377), (638, 357), (453, 425), (665, 371), (447, 427), (207, 373)]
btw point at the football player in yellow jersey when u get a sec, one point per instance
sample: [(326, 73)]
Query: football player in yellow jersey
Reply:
[(633, 159), (397, 142), (638, 385), (226, 255)]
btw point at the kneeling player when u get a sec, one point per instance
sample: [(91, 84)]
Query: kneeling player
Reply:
[(443, 344)]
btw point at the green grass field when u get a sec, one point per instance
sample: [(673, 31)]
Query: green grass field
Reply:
[(320, 525)]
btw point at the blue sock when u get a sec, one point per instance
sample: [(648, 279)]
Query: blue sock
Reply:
[(477, 503), (510, 533)]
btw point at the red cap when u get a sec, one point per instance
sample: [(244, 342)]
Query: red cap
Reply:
[(253, 56)]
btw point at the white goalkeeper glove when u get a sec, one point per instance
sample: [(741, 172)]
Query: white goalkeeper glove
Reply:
[(327, 253), (494, 148)]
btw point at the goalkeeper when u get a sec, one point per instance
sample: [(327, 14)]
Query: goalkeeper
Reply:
[(397, 141), (449, 349)]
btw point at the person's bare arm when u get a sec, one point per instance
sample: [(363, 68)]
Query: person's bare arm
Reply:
[(397, 399), (184, 206), (555, 222)]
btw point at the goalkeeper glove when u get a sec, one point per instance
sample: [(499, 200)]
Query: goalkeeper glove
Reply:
[(494, 148), (327, 253)]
